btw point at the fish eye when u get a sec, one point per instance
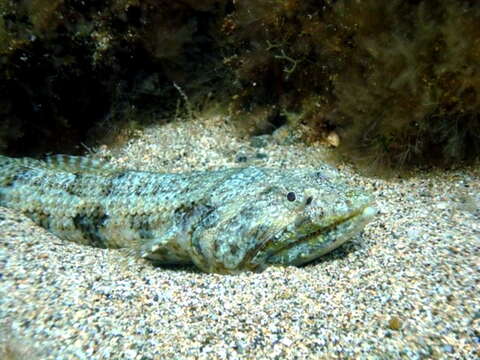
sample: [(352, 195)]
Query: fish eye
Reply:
[(291, 196), (309, 200)]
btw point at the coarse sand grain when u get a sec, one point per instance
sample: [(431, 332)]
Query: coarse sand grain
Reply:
[(406, 288)]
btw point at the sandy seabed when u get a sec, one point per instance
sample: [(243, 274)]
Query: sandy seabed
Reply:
[(406, 288)]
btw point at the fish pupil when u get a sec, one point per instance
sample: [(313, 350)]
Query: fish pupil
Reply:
[(291, 196)]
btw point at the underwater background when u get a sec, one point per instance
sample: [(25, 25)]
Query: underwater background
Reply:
[(387, 84)]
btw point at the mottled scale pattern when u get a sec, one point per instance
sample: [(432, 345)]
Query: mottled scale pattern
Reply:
[(223, 221)]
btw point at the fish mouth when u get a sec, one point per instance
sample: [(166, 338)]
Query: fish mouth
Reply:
[(308, 247)]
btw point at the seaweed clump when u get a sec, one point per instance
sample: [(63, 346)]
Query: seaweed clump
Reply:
[(282, 55), (411, 91), (398, 81)]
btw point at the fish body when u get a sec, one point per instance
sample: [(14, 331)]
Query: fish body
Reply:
[(223, 221)]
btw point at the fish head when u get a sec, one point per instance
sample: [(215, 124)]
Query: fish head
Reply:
[(265, 217)]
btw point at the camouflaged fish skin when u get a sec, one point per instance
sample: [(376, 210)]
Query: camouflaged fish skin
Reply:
[(223, 221)]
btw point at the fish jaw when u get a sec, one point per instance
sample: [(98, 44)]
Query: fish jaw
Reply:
[(322, 240)]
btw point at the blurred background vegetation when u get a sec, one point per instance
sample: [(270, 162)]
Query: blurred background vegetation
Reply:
[(393, 83)]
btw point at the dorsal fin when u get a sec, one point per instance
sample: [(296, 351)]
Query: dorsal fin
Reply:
[(10, 166), (66, 163), (80, 164), (27, 162)]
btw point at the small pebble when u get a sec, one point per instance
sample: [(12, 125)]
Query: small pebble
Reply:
[(241, 158), (260, 141), (395, 323)]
